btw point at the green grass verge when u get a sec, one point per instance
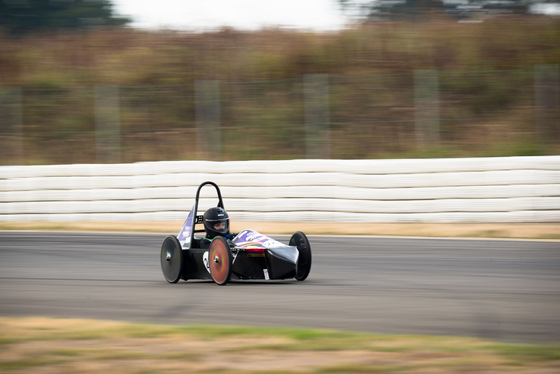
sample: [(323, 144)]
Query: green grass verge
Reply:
[(53, 345)]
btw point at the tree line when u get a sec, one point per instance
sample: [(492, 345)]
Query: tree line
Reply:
[(22, 17)]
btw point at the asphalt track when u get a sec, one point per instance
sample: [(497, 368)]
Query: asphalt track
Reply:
[(498, 289)]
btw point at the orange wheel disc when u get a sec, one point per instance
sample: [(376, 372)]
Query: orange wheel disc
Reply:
[(220, 259)]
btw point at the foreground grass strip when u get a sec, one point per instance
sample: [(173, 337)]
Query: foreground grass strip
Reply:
[(84, 346)]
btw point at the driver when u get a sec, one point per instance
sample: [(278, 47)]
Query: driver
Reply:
[(216, 223)]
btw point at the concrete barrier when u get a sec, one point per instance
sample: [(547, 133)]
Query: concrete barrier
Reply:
[(504, 189)]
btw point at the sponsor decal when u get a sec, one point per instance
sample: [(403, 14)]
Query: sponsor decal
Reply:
[(206, 260), (185, 233), (251, 238)]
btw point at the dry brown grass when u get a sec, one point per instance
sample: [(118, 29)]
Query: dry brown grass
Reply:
[(486, 97), (453, 230)]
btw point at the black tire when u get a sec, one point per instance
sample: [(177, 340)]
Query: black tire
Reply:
[(303, 267), (171, 258), (220, 259)]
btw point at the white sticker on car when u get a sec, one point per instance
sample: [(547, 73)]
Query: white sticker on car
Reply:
[(205, 259)]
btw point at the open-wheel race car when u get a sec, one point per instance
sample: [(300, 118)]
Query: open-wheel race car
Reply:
[(222, 256)]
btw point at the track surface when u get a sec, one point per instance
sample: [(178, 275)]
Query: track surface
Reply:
[(503, 290)]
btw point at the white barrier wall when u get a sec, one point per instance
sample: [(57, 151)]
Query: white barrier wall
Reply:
[(508, 189)]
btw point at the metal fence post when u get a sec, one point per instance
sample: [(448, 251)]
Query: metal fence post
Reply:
[(107, 124), (547, 111), (317, 116), (207, 112), (426, 102), (11, 125)]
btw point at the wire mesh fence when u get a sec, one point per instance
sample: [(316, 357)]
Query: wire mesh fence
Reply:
[(419, 113)]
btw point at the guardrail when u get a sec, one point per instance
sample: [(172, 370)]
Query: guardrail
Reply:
[(506, 189)]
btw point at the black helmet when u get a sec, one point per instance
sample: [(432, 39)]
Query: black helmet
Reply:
[(216, 222)]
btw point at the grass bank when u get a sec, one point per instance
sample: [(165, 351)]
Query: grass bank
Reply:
[(485, 91), (85, 346)]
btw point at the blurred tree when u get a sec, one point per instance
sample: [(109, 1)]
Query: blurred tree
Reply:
[(23, 16), (399, 9), (392, 9)]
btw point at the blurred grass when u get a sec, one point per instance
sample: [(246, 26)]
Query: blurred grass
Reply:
[(486, 80), (84, 346), (545, 231)]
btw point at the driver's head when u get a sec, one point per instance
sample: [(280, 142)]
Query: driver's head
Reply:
[(216, 222)]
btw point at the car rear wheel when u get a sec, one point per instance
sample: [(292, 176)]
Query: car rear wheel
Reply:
[(220, 260), (303, 267), (171, 258)]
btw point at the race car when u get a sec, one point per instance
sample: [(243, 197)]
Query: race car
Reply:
[(222, 256)]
